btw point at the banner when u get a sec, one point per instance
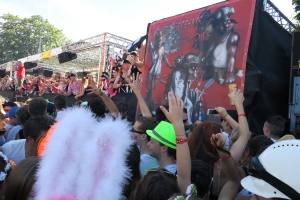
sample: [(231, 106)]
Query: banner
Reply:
[(46, 55), (199, 55)]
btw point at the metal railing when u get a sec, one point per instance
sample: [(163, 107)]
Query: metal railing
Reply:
[(278, 16)]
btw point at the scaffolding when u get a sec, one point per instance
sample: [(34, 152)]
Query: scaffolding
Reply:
[(92, 55), (278, 16)]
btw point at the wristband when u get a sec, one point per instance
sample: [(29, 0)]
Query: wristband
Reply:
[(242, 115), (181, 140), (224, 158)]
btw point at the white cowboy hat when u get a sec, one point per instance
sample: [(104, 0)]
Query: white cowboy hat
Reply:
[(275, 173)]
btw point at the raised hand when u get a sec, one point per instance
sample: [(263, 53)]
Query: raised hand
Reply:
[(175, 112), (135, 83), (183, 161), (236, 97)]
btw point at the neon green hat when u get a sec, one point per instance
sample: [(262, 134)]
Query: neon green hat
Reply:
[(164, 133)]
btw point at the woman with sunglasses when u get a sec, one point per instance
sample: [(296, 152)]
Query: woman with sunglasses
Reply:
[(140, 126)]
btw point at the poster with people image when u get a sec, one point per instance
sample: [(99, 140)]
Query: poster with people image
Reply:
[(198, 55)]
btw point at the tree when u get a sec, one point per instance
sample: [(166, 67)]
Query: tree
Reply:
[(21, 37), (296, 3)]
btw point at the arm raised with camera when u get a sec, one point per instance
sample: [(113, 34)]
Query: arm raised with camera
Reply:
[(238, 147), (223, 113)]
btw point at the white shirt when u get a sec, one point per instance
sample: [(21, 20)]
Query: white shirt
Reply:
[(147, 162), (171, 168), (12, 133), (14, 150)]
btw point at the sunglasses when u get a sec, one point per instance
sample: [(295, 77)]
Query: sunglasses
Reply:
[(135, 131)]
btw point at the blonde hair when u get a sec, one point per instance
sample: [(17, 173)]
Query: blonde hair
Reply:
[(85, 82)]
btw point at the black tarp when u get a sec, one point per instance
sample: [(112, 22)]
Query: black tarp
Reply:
[(268, 70)]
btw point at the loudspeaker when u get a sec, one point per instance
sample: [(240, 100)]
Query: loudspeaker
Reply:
[(48, 73), (36, 72), (30, 65), (81, 74), (66, 56), (2, 73), (296, 49)]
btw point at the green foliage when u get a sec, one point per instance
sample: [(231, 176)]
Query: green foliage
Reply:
[(21, 37), (296, 3)]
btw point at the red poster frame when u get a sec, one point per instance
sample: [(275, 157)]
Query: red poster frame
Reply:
[(172, 55)]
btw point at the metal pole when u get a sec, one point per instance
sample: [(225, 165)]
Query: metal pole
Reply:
[(101, 58)]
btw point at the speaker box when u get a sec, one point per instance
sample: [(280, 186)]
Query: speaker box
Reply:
[(2, 73), (81, 74), (296, 49), (30, 65), (48, 73), (66, 56), (38, 71)]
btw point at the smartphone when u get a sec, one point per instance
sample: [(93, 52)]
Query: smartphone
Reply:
[(214, 119), (212, 112)]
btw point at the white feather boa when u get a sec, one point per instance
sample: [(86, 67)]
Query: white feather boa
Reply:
[(85, 159)]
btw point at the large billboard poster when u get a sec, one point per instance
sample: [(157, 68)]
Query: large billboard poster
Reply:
[(198, 55)]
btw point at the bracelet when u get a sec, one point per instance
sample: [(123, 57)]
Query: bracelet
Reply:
[(181, 140), (242, 115), (224, 158)]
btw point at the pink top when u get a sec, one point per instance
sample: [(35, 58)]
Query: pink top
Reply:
[(74, 87), (21, 71)]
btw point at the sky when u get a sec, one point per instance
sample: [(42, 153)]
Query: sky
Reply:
[(80, 19)]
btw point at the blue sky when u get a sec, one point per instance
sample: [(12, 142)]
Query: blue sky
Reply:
[(80, 19)]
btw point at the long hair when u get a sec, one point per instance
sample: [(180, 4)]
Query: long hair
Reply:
[(171, 85), (21, 180), (85, 82), (133, 163), (199, 142)]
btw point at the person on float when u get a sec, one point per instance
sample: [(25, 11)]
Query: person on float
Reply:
[(21, 71)]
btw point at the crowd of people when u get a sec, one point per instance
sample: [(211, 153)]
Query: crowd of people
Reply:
[(97, 149), (65, 84), (91, 151), (69, 84)]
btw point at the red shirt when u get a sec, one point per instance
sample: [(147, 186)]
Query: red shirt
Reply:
[(20, 71)]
